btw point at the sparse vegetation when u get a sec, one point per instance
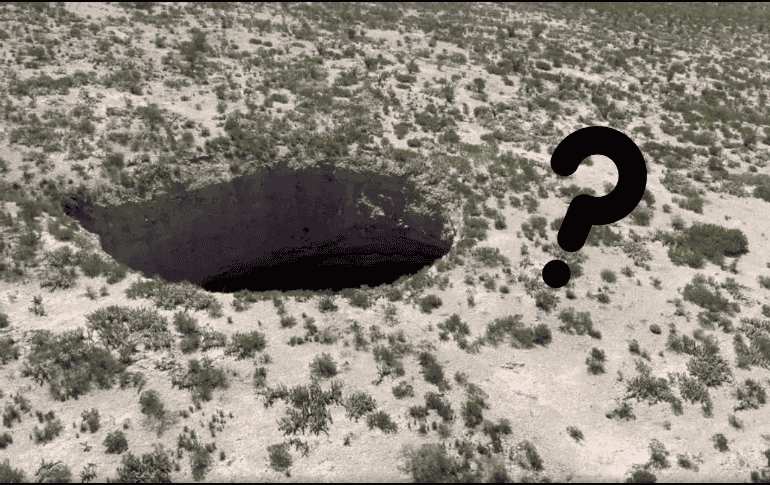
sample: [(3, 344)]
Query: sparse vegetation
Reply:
[(351, 144)]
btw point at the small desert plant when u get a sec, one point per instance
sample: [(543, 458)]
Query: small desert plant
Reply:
[(528, 457), (403, 389), (151, 404), (90, 421), (326, 304), (595, 362), (382, 421), (359, 404), (658, 455), (323, 366), (53, 472), (5, 440), (575, 433), (751, 395), (280, 458), (51, 430), (245, 346), (720, 442), (151, 467), (642, 475), (201, 378), (431, 464), (429, 303), (609, 276), (623, 411), (116, 442)]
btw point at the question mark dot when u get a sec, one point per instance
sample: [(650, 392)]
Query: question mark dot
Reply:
[(556, 273)]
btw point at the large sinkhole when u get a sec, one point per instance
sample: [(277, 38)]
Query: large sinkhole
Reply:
[(281, 228)]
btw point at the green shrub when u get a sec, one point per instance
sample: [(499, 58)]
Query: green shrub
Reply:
[(693, 390), (542, 334), (90, 421), (720, 442), (579, 324), (575, 433), (11, 475), (246, 345), (698, 293), (53, 472), (751, 395), (429, 303), (655, 328), (4, 322), (200, 461), (116, 442), (595, 361), (642, 476), (151, 404), (359, 404), (529, 458), (280, 458), (116, 324), (403, 390), (92, 265), (715, 242), (5, 440), (710, 368), (472, 412), (10, 415), (382, 421), (59, 278), (326, 304), (546, 300), (623, 411), (8, 350), (658, 455), (357, 298), (201, 378), (418, 412), (154, 467), (431, 464), (456, 327), (69, 364), (323, 367), (185, 323), (609, 276), (441, 405), (51, 430)]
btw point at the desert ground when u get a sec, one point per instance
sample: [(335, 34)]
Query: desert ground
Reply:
[(305, 241)]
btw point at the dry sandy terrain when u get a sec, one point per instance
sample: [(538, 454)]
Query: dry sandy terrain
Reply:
[(131, 103)]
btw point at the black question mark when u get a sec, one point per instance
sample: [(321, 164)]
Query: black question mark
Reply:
[(585, 210)]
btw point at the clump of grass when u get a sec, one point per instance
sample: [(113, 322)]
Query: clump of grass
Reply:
[(429, 303), (575, 433), (90, 421), (115, 442), (623, 411), (201, 378), (280, 458), (595, 362), (50, 431), (720, 442), (323, 367), (403, 390), (609, 276), (579, 324), (359, 404), (382, 421), (246, 345)]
